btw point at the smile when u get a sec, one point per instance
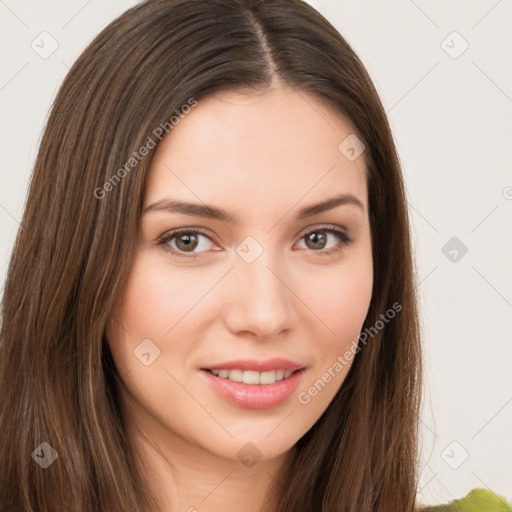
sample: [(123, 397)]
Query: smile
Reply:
[(246, 389)]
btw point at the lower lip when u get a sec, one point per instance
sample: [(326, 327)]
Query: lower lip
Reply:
[(254, 396)]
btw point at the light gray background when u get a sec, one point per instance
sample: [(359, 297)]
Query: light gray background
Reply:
[(451, 119)]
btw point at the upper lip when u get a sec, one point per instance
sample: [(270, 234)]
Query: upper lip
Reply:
[(267, 365)]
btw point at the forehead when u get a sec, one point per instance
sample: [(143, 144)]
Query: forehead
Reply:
[(256, 151)]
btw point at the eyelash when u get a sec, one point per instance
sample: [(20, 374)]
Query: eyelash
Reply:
[(167, 237)]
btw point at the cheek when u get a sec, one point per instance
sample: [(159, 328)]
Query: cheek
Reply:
[(156, 297), (341, 304), (142, 313), (352, 298)]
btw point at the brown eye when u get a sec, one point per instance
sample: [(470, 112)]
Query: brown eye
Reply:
[(315, 240), (186, 242)]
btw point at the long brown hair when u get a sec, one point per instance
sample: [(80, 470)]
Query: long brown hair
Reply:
[(78, 235)]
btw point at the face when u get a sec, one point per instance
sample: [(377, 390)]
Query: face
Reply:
[(271, 277)]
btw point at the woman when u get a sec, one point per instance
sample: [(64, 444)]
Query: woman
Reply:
[(217, 309)]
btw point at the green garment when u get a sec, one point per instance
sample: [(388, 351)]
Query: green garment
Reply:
[(478, 500)]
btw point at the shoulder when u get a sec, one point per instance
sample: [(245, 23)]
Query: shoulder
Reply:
[(477, 500)]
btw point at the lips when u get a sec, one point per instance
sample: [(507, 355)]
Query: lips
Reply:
[(278, 378)]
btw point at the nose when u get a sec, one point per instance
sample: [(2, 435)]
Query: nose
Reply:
[(259, 298)]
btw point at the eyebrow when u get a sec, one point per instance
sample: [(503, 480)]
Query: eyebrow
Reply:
[(214, 212)]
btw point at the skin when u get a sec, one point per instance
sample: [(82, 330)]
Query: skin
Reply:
[(261, 157)]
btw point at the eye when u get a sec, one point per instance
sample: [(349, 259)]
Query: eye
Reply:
[(185, 240), (319, 236)]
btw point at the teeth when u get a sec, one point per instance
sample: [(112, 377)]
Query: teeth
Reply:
[(252, 377), (236, 375), (266, 377), (249, 377)]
